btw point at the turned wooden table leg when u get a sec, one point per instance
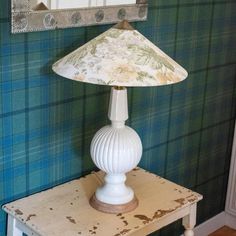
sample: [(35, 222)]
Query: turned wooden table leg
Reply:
[(189, 221), (12, 230)]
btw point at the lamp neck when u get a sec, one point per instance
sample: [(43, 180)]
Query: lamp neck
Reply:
[(118, 107)]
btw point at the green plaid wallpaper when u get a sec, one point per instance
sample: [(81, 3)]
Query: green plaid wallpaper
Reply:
[(47, 122)]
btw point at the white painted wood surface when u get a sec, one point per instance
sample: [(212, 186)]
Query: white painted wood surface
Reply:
[(65, 210), (231, 192)]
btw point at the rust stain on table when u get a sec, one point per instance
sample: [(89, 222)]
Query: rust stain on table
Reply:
[(71, 219), (123, 232), (30, 216), (18, 212)]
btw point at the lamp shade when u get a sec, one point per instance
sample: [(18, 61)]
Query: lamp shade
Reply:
[(121, 56)]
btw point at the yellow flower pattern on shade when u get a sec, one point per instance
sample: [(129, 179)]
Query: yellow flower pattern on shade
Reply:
[(120, 57)]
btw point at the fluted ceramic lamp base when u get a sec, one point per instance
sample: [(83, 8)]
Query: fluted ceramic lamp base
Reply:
[(111, 208), (116, 149)]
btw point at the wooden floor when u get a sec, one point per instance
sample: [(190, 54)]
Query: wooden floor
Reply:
[(225, 231)]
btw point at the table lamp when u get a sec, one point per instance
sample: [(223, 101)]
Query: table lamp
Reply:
[(120, 57)]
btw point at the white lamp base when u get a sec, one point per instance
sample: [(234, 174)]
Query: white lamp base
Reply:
[(114, 191), (116, 149)]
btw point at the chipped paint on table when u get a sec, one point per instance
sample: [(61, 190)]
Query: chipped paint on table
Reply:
[(65, 210)]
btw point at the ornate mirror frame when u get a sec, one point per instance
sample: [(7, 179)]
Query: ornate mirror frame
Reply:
[(26, 20)]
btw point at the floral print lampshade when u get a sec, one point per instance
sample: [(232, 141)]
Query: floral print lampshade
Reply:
[(121, 56)]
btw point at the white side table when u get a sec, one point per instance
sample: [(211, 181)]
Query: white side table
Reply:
[(65, 210)]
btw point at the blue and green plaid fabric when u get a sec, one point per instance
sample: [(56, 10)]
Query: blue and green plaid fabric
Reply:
[(47, 122)]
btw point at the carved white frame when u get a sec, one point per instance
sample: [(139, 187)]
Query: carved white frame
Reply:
[(26, 20)]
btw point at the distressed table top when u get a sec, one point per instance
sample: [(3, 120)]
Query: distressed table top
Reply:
[(65, 210)]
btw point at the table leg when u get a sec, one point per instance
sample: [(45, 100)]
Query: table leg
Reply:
[(12, 230), (189, 221)]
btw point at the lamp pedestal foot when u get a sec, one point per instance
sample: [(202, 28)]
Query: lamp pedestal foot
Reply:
[(114, 191)]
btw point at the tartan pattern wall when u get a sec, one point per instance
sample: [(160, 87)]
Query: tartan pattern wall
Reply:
[(47, 122)]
